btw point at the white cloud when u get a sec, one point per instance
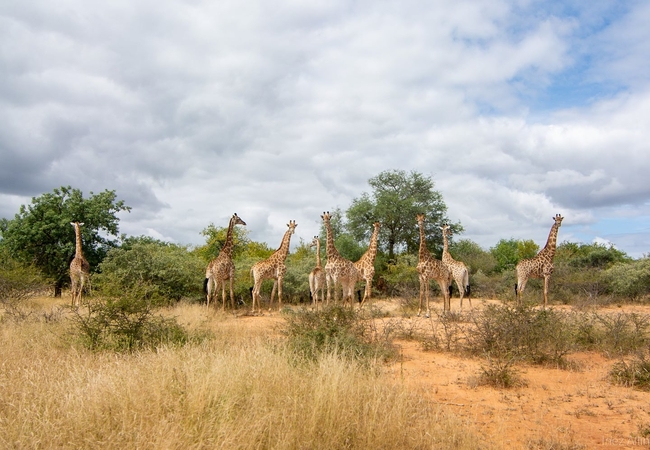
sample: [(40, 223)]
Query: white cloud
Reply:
[(279, 111)]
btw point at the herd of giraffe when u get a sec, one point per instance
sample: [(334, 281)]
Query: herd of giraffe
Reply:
[(339, 270)]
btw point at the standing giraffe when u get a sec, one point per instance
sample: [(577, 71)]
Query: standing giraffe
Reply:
[(366, 264), (338, 269), (79, 268), (317, 276), (431, 268), (274, 268), (541, 266), (458, 270), (221, 268)]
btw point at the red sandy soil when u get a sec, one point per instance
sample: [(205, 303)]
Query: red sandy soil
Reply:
[(556, 409)]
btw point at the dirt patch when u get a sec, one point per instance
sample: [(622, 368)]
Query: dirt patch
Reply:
[(557, 408)]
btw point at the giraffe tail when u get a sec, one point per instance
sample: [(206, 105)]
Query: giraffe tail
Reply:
[(205, 286), (515, 289), (467, 291)]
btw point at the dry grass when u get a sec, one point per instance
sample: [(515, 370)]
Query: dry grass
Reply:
[(237, 390)]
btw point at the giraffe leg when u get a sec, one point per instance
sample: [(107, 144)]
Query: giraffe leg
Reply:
[(546, 278), (279, 293), (275, 286), (232, 294), (427, 297), (421, 294), (521, 285)]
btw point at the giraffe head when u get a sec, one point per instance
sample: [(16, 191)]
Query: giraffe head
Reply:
[(236, 220), (376, 225), (558, 219), (77, 224), (292, 226), (446, 230), (420, 218), (326, 216), (314, 242)]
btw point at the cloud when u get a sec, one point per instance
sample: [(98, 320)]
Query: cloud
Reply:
[(193, 111)]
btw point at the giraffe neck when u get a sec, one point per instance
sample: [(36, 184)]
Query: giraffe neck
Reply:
[(551, 243), (283, 251), (424, 251), (78, 249), (228, 245), (371, 253), (332, 252), (318, 262), (446, 256)]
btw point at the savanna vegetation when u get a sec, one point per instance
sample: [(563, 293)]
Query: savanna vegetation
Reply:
[(142, 364)]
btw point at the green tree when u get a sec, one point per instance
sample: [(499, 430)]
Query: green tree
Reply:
[(508, 252), (590, 256), (215, 238), (41, 235), (473, 256), (396, 198)]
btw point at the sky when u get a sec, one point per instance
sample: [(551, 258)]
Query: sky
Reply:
[(194, 110)]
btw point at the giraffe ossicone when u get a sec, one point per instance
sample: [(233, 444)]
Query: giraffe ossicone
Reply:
[(366, 264), (431, 268), (79, 268), (458, 269), (273, 267), (338, 270), (541, 266), (317, 276), (222, 268)]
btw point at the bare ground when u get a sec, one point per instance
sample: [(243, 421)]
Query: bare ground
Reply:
[(556, 409)]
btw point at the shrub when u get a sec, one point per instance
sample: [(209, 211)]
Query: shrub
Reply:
[(636, 373), (630, 280), (156, 271), (501, 373), (521, 332), (17, 283), (335, 329), (125, 324)]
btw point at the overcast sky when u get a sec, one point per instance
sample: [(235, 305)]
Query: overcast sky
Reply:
[(193, 110)]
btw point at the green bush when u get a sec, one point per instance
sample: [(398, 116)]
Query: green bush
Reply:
[(17, 283), (636, 373), (159, 272), (125, 324), (335, 329), (521, 332), (631, 280)]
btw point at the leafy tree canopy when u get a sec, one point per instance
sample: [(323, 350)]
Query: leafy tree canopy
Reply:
[(215, 238), (590, 255), (396, 198), (40, 234), (509, 252), (473, 255)]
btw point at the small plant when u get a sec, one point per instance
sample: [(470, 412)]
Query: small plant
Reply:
[(500, 373), (336, 329), (635, 374), (125, 324), (539, 336)]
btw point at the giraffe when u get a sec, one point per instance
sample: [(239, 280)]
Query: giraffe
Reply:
[(338, 269), (273, 267), (317, 276), (79, 268), (458, 270), (221, 268), (429, 267), (541, 266), (366, 264)]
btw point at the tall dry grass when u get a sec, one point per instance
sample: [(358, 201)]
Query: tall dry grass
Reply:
[(238, 390)]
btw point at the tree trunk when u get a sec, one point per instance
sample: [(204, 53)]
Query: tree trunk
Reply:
[(58, 287)]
